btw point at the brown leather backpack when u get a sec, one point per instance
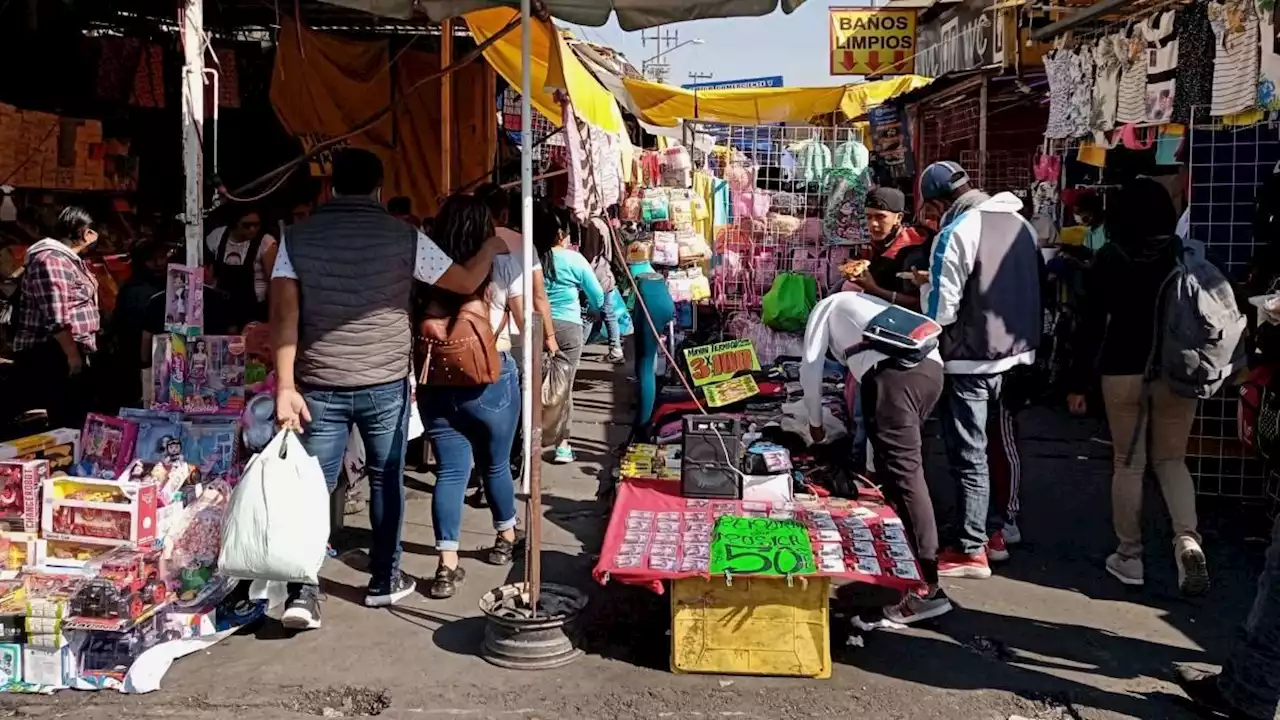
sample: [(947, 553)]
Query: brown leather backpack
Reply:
[(459, 351)]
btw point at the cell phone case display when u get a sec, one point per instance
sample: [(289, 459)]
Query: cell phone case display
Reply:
[(184, 300), (108, 446), (20, 484), (99, 512)]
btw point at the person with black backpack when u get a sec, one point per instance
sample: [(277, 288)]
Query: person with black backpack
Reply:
[(1140, 329)]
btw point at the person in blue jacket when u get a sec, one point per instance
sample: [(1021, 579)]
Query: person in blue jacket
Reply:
[(568, 277)]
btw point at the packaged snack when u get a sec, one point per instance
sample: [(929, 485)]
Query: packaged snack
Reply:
[(215, 375), (20, 485), (108, 446), (184, 300)]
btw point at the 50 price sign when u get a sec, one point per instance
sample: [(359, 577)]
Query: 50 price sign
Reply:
[(721, 361), (761, 546)]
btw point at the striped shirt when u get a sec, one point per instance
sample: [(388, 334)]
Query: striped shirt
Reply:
[(1235, 66)]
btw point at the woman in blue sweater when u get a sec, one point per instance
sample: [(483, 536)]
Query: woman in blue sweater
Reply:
[(568, 275)]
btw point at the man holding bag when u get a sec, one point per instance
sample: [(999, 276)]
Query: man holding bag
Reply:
[(340, 325)]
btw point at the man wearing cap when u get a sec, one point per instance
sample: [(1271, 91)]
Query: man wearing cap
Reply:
[(895, 248), (983, 287)]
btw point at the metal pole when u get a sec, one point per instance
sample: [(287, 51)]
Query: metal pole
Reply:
[(192, 124), (532, 374), (446, 109), (982, 133)]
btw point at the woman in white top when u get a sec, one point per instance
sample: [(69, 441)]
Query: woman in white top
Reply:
[(242, 260)]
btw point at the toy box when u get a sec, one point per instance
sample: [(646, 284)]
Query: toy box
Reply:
[(186, 624), (17, 551), (60, 447), (168, 371), (210, 445), (127, 585), (60, 554), (105, 657), (159, 434), (20, 485), (10, 664), (49, 668), (184, 300), (99, 512), (215, 375), (108, 446)]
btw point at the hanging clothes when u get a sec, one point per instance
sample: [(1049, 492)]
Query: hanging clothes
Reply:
[(1057, 69), (813, 159), (1269, 56), (1162, 65), (1236, 50), (1195, 62), (852, 155), (703, 203), (1106, 85), (1131, 103), (1080, 108)]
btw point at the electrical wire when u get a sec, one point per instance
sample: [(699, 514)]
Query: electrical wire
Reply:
[(32, 154)]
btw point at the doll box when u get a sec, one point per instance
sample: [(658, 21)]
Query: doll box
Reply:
[(184, 300), (99, 512), (215, 375), (60, 447), (108, 444), (20, 485)]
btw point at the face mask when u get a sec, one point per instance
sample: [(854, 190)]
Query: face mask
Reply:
[(1079, 220)]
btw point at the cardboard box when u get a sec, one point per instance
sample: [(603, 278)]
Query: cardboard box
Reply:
[(20, 484), (60, 447), (182, 625), (10, 664), (17, 552), (51, 668), (59, 555), (125, 516)]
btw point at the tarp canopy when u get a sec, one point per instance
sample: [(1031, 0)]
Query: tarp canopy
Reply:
[(552, 66), (632, 14), (667, 105)]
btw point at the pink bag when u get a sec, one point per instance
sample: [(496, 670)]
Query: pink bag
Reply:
[(752, 204), (1047, 168)]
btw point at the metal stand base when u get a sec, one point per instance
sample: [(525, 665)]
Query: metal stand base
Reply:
[(516, 640)]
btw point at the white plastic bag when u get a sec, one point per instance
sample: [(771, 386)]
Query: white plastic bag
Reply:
[(277, 523)]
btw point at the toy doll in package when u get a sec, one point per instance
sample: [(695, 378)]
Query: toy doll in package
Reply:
[(215, 375), (169, 371), (210, 445), (184, 300), (108, 446)]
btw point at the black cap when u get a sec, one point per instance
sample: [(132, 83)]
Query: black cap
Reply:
[(886, 198)]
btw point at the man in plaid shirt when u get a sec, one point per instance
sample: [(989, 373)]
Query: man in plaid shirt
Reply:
[(58, 321)]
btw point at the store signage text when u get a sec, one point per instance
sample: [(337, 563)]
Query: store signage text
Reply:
[(965, 38), (872, 42), (773, 81), (721, 361)]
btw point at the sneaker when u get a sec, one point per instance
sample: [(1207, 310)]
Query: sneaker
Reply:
[(1012, 534), (955, 564), (1193, 570), (564, 455), (997, 549), (915, 607), (446, 582), (1203, 691), (388, 593), (503, 551), (616, 357), (302, 608), (1125, 569)]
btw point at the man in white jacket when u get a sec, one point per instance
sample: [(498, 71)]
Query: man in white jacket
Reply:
[(984, 289)]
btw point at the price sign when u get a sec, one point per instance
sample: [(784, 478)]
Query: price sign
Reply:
[(761, 546), (731, 391), (721, 361)]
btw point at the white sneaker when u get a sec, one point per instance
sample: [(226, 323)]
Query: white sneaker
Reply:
[(1012, 535), (1125, 569), (1193, 569)]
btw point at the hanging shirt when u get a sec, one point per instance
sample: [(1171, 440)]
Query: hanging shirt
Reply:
[(1131, 103), (1195, 63), (1162, 65), (813, 159), (1235, 65), (1269, 61), (1106, 85)]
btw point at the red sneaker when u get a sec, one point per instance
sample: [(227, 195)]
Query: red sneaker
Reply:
[(955, 564), (997, 549)]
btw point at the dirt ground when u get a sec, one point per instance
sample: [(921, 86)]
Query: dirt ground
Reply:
[(1050, 637)]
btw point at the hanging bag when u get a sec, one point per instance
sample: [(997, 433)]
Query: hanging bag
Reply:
[(789, 301)]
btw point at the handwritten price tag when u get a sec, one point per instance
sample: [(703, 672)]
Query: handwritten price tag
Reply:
[(731, 391), (761, 546), (721, 361)]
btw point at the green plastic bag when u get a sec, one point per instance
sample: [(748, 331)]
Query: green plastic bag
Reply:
[(787, 304)]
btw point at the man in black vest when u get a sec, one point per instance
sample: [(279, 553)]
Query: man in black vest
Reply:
[(341, 332)]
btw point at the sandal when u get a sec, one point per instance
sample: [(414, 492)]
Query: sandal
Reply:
[(446, 582), (503, 551)]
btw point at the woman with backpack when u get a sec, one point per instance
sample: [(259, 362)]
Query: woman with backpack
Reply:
[(469, 389), (1116, 339)]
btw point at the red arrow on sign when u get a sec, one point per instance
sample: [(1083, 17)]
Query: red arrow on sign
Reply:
[(873, 60), (899, 57), (848, 60)]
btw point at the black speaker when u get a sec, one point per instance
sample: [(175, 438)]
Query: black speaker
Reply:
[(712, 454)]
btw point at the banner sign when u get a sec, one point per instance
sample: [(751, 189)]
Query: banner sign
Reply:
[(963, 38), (721, 361), (868, 41), (761, 546), (889, 138), (773, 81)]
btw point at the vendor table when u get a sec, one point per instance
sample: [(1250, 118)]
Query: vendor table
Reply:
[(852, 540)]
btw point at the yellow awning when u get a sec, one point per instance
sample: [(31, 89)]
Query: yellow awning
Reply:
[(552, 66), (666, 105)]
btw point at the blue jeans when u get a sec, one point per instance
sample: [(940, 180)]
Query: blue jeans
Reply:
[(463, 423), (966, 402), (381, 413), (1250, 679)]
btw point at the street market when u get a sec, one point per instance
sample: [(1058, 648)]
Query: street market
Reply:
[(347, 342)]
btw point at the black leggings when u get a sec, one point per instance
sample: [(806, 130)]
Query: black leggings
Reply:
[(895, 404)]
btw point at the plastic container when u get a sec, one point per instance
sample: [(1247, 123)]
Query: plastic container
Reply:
[(756, 626)]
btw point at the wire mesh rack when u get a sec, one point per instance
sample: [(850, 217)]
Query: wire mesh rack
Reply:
[(778, 229), (1227, 166)]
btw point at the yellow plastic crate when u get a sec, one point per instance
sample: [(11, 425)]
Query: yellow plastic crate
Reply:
[(757, 626)]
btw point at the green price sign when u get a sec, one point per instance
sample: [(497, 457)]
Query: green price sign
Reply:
[(761, 546)]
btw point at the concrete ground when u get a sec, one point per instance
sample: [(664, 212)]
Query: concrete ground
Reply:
[(1051, 637)]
